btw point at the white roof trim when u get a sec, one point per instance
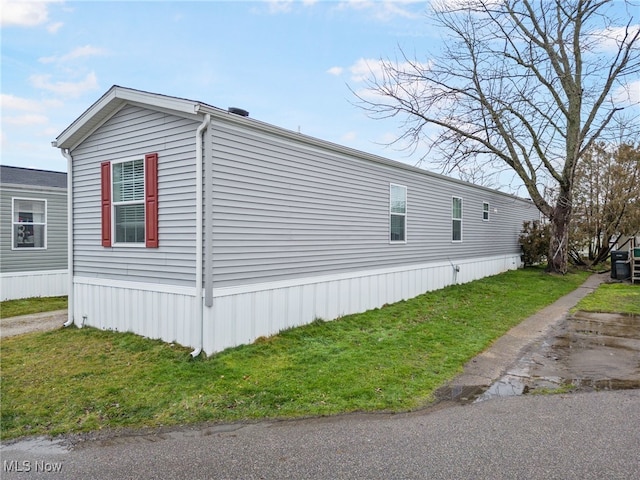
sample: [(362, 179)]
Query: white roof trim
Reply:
[(117, 97), (111, 102)]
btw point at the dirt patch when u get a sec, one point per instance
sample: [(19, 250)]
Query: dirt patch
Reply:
[(12, 326)]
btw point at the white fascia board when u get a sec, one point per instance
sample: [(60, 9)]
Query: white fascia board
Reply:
[(23, 189), (112, 101), (62, 141), (156, 100)]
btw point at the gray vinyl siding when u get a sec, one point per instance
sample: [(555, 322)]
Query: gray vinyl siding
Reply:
[(285, 209), (135, 131), (54, 257), (282, 208)]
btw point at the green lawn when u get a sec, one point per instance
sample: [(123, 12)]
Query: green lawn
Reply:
[(392, 358), (25, 306), (612, 298)]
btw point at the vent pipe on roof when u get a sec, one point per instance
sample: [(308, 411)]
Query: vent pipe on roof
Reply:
[(238, 111)]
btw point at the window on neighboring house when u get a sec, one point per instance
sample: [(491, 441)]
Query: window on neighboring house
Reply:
[(485, 211), (456, 217), (29, 223), (130, 202), (398, 213)]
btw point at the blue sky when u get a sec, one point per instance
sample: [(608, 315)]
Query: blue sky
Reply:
[(287, 63)]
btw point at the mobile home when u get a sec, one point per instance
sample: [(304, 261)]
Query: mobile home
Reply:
[(33, 239), (206, 227)]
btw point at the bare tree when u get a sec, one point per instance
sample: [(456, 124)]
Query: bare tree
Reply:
[(606, 201), (527, 84)]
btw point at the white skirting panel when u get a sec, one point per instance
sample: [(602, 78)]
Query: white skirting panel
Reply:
[(156, 311), (46, 283), (242, 314)]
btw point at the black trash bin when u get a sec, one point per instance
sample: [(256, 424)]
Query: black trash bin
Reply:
[(618, 256), (623, 270)]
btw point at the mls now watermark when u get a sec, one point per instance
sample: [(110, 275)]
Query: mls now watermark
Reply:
[(27, 466)]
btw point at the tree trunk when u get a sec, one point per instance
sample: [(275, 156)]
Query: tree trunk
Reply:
[(558, 258)]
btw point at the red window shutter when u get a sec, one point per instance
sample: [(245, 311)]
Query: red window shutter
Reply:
[(151, 199), (105, 179)]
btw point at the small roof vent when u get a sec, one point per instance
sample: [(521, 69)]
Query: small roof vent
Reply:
[(238, 111)]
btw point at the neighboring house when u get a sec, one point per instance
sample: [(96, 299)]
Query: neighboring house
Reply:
[(33, 238), (208, 228)]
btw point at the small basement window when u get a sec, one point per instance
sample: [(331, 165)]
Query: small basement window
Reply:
[(29, 223), (398, 213)]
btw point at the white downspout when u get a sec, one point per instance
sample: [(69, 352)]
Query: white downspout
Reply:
[(66, 154), (199, 229)]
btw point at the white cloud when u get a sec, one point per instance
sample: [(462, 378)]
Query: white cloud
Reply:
[(362, 69), (370, 68), (372, 77), (286, 6), (54, 27), (27, 119), (384, 10), (629, 93), (67, 89), (380, 10), (365, 68), (280, 6), (455, 5), (50, 132), (80, 52), (611, 38), (11, 102), (25, 13), (349, 137)]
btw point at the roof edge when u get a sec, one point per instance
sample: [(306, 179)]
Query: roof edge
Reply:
[(110, 101), (117, 96)]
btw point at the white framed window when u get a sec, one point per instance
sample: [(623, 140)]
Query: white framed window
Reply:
[(128, 204), (29, 223), (485, 211), (397, 213), (456, 219)]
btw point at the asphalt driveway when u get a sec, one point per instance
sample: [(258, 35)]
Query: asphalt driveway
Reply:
[(571, 436)]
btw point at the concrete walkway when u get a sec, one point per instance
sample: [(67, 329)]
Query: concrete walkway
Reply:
[(494, 362)]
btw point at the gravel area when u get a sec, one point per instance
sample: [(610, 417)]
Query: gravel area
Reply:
[(12, 326)]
